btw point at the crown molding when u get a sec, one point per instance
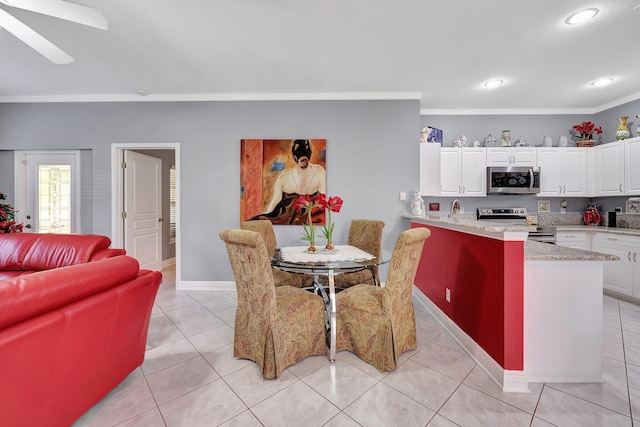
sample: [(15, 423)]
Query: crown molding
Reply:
[(378, 96), (506, 112)]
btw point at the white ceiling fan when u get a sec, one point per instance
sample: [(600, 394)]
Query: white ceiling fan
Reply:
[(57, 8)]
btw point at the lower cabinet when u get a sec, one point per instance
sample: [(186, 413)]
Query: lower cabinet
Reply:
[(573, 239), (621, 276)]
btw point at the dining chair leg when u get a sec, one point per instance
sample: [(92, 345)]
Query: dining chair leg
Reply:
[(332, 317), (320, 290)]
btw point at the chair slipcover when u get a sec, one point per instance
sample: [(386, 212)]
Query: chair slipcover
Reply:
[(365, 234), (265, 228), (378, 323), (275, 326)]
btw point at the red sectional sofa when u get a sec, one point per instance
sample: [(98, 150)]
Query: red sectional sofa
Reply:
[(68, 335)]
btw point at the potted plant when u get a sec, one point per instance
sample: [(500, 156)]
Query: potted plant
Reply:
[(585, 131)]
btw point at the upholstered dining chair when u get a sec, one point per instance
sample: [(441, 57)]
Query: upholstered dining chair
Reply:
[(265, 228), (275, 326), (365, 234), (378, 323)]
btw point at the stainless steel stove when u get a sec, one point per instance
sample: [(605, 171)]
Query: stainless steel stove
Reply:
[(517, 216)]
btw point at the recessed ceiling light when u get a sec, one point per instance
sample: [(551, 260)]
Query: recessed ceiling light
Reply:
[(602, 82), (582, 16), (493, 83), (142, 92)]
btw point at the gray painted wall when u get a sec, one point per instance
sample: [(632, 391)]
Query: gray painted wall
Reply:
[(372, 152), (6, 175)]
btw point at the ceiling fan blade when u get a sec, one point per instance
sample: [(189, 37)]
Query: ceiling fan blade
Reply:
[(33, 39), (64, 10)]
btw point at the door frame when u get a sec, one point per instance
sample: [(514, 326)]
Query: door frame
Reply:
[(117, 192)]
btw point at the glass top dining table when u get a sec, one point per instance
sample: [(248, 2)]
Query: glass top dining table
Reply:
[(329, 264)]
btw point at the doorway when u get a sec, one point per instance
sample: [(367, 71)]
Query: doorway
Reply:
[(123, 193), (47, 190)]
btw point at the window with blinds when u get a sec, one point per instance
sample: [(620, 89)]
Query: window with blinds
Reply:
[(172, 205)]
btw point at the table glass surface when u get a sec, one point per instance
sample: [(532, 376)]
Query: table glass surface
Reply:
[(323, 267)]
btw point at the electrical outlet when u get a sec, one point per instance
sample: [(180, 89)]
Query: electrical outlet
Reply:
[(403, 196), (447, 294)]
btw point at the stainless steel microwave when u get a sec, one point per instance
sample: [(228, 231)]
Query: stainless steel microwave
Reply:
[(513, 180)]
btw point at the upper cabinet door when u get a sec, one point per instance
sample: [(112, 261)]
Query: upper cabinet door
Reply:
[(524, 156), (450, 163), (574, 171), (632, 166), (474, 172), (499, 156), (609, 169), (550, 162), (511, 156)]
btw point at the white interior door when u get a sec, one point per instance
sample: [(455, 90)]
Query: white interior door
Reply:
[(143, 209), (48, 191)]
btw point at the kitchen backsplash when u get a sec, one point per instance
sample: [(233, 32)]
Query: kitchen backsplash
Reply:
[(623, 220)]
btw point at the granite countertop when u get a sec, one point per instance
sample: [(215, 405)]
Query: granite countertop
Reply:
[(533, 250), (537, 251), (470, 222), (599, 229)]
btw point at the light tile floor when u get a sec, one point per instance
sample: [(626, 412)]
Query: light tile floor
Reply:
[(190, 378)]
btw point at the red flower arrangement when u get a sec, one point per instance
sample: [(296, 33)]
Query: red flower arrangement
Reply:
[(308, 204), (586, 130)]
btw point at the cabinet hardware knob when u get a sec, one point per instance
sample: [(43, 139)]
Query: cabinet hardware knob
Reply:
[(634, 257), (620, 187), (629, 256)]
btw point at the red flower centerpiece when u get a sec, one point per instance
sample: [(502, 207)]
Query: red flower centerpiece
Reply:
[(308, 203), (332, 204), (586, 130)]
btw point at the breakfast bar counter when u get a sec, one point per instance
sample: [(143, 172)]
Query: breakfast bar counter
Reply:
[(525, 311)]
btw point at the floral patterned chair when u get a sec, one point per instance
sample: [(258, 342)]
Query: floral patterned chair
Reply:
[(378, 323), (275, 326), (365, 234), (265, 228)]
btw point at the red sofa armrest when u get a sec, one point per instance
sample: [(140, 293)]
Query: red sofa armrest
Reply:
[(29, 295)]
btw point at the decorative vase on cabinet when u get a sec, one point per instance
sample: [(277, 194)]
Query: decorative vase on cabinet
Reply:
[(623, 131)]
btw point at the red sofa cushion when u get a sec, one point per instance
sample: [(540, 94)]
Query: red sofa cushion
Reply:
[(60, 250), (13, 249), (29, 295)]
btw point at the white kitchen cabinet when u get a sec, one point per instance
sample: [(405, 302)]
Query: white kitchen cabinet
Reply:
[(511, 156), (430, 169), (463, 172), (631, 165), (608, 169), (573, 239), (563, 171), (621, 276)]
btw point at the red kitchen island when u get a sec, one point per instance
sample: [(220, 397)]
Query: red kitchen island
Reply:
[(525, 311)]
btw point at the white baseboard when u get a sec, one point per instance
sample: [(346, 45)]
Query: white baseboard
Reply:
[(507, 380), (168, 262), (206, 286)]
